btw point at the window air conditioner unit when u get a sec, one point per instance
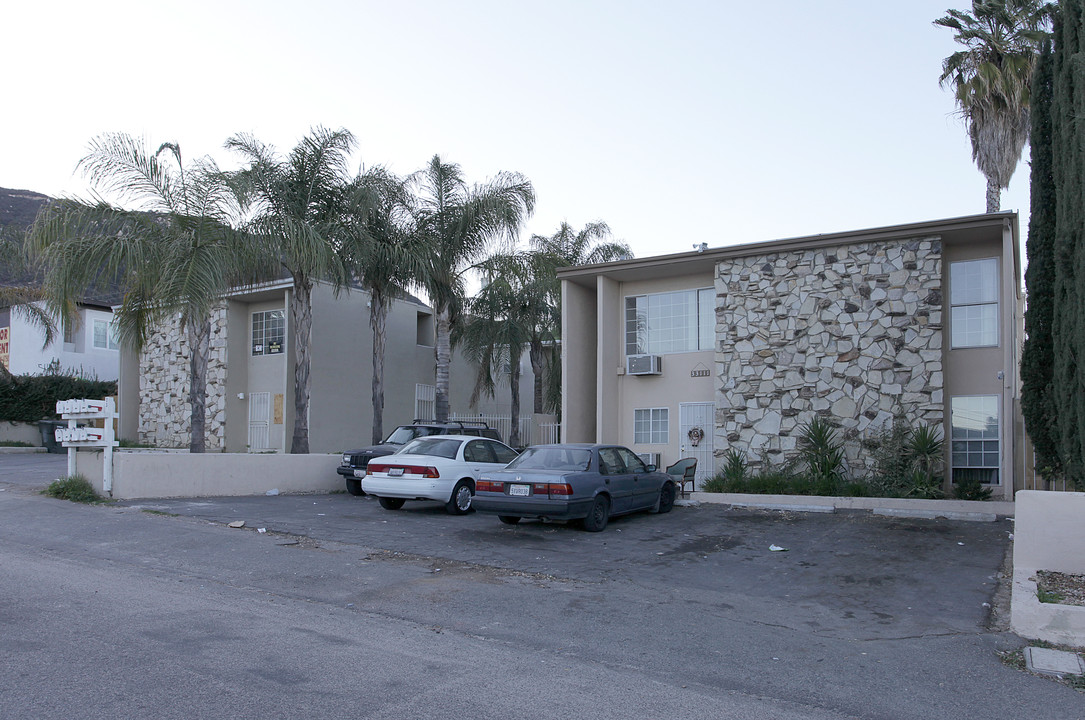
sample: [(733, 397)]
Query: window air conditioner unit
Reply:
[(649, 458), (644, 365)]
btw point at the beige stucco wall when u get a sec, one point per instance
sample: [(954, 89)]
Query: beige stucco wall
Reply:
[(182, 474), (1049, 532), (986, 370), (671, 388), (579, 363)]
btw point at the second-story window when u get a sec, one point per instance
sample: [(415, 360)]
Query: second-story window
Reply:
[(973, 300), (672, 322), (268, 329)]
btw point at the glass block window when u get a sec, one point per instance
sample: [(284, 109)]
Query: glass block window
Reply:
[(672, 322), (974, 438), (973, 299), (651, 426), (268, 331)]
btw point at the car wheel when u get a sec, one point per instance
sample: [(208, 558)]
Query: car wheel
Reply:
[(598, 515), (354, 486), (460, 502), (666, 498), (391, 503), (509, 519)]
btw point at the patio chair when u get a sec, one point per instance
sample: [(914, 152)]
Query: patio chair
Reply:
[(684, 471)]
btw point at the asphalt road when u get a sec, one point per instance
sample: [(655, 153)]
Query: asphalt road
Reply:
[(343, 609)]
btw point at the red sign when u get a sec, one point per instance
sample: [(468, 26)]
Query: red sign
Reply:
[(4, 352)]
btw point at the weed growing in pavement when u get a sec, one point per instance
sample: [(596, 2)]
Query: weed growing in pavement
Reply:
[(75, 488), (1047, 596)]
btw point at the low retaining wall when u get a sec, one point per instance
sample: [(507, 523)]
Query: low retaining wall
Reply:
[(181, 474), (1049, 534), (20, 432), (984, 510)]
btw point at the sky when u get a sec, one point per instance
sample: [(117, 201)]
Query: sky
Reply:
[(676, 123)]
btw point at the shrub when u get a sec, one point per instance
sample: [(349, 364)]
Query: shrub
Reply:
[(29, 398), (75, 488), (971, 490)]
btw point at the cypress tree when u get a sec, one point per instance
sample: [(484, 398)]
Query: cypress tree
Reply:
[(1037, 359), (1068, 164)]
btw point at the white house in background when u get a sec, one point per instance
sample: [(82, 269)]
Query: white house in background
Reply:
[(88, 347), (250, 395)]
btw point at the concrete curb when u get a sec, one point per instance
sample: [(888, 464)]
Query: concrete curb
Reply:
[(21, 450), (971, 510)]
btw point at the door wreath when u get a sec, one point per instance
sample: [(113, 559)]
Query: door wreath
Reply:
[(695, 435)]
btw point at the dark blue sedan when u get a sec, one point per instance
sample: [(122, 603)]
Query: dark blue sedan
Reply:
[(580, 482)]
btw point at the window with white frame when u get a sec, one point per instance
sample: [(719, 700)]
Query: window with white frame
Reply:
[(268, 331), (973, 300), (651, 426), (104, 336), (671, 322), (974, 446)]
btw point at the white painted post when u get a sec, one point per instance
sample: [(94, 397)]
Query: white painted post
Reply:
[(72, 437)]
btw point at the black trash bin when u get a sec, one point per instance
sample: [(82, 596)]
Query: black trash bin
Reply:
[(48, 435)]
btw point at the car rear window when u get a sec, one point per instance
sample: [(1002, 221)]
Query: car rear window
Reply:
[(437, 446), (552, 458)]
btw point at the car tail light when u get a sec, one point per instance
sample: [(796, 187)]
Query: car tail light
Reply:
[(426, 471), (490, 486), (560, 489)]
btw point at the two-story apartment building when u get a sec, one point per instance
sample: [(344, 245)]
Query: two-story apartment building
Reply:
[(737, 347)]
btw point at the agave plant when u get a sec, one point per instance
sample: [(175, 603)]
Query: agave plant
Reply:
[(822, 451)]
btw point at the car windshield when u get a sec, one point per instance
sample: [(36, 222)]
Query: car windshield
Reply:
[(436, 446), (552, 458), (405, 433)]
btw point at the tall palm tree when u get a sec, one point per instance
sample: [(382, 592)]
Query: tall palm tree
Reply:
[(175, 252), (296, 205), (991, 78), (458, 223), (384, 257), (566, 247)]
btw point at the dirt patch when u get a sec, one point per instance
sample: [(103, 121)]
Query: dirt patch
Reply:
[(1061, 588)]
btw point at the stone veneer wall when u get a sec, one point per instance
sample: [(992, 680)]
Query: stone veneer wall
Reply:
[(848, 333), (164, 409)]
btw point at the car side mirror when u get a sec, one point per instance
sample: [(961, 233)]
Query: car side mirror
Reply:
[(652, 468)]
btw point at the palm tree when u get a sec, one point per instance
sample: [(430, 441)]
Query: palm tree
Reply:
[(457, 224), (991, 78), (382, 253), (566, 247), (502, 320), (175, 253), (21, 295), (296, 205)]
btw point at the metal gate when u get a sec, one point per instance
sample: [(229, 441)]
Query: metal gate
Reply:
[(697, 424), (259, 421)]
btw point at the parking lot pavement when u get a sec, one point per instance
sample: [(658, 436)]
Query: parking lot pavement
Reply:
[(849, 575), (32, 470)]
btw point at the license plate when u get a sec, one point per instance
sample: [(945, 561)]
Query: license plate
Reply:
[(395, 472), (359, 473), (520, 490)]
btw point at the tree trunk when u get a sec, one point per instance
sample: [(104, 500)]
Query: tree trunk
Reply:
[(199, 336), (514, 385), (535, 354), (443, 350), (994, 195), (378, 316), (301, 316)]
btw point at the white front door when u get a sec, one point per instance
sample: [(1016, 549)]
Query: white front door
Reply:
[(259, 421), (696, 429)]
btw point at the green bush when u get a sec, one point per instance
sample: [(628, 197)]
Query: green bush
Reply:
[(75, 488), (971, 490), (29, 398)]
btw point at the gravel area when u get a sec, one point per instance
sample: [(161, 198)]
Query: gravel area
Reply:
[(1069, 588)]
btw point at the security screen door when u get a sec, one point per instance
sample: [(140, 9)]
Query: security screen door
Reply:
[(694, 417)]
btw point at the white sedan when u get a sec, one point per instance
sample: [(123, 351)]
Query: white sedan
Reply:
[(438, 467)]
